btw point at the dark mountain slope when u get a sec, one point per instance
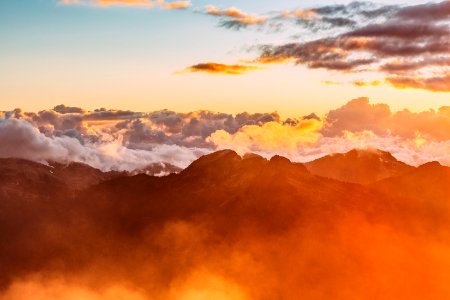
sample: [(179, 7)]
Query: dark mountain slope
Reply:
[(225, 185), (269, 228), (424, 191), (430, 181), (358, 166)]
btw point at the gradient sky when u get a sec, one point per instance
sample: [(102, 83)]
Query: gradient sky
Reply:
[(129, 58)]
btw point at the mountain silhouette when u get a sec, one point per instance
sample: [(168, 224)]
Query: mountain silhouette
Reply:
[(426, 187), (272, 227), (358, 166)]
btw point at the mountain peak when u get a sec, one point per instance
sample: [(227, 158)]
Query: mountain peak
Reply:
[(250, 155), (277, 159), (429, 165), (223, 161), (369, 152), (221, 156), (361, 166)]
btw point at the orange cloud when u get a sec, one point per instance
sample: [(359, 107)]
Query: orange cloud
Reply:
[(362, 83), (270, 137), (358, 83), (303, 14), (329, 82), (435, 84), (176, 5), (217, 68), (128, 140), (236, 18), (273, 60), (411, 46)]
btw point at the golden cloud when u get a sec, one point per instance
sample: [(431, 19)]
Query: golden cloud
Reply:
[(271, 137), (236, 18), (433, 83), (218, 68)]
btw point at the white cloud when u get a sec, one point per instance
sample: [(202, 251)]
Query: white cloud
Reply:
[(20, 139)]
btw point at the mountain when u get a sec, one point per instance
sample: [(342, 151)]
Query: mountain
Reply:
[(21, 178), (428, 186), (80, 176), (15, 174), (226, 227), (358, 166)]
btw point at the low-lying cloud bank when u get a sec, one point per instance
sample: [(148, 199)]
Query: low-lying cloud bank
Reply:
[(127, 140), (20, 139)]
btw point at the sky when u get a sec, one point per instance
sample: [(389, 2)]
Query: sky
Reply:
[(144, 85), (148, 56)]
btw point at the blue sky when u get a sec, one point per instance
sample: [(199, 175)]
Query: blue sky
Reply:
[(127, 57)]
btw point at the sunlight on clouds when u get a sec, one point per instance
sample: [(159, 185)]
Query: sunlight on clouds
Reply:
[(128, 140), (271, 136)]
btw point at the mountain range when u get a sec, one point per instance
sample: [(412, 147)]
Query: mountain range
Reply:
[(345, 226)]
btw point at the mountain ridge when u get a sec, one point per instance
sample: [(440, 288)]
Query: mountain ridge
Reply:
[(230, 214), (358, 166)]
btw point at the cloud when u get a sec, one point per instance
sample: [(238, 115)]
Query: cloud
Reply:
[(153, 127), (176, 5), (218, 68), (435, 84), (134, 3), (21, 140), (171, 239), (359, 115), (271, 137), (235, 18), (426, 12), (356, 116), (62, 109), (362, 83), (301, 14), (414, 138), (116, 139), (128, 140), (408, 46), (307, 145), (338, 17)]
